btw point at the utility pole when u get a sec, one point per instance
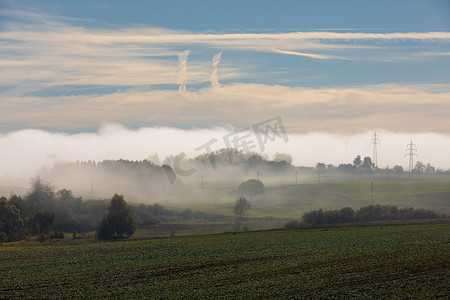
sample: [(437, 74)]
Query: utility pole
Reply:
[(371, 183), (92, 188), (375, 141), (411, 152)]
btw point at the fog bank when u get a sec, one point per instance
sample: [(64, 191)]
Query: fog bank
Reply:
[(25, 152)]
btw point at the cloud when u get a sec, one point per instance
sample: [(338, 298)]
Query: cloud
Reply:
[(433, 54), (215, 62), (182, 73), (47, 54), (41, 50), (344, 110), (317, 56)]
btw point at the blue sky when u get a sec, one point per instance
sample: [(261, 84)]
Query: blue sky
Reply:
[(235, 15), (334, 67), (77, 57)]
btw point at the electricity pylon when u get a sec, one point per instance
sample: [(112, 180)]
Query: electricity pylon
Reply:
[(411, 152), (375, 141)]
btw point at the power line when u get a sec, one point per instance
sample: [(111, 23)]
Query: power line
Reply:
[(375, 141), (411, 152)]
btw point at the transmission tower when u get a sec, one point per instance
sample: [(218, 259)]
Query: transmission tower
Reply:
[(411, 151), (375, 141)]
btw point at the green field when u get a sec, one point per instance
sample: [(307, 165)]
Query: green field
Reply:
[(408, 262), (434, 195), (291, 201)]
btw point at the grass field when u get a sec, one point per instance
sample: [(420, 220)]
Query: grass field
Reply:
[(291, 201), (294, 200), (408, 262)]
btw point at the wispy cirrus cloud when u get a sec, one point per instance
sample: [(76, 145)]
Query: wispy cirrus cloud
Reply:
[(433, 54), (50, 51), (317, 56)]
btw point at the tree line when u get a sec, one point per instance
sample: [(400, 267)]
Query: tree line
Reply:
[(365, 214), (366, 165), (45, 212)]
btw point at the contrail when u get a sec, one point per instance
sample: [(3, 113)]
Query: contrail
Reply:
[(182, 73), (311, 55), (215, 62)]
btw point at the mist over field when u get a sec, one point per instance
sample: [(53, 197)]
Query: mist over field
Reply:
[(164, 109)]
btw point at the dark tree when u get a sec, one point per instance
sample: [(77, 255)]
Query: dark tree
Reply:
[(357, 162), (17, 201), (145, 215), (119, 221), (241, 206), (397, 169), (283, 157), (41, 197), (68, 202), (420, 167), (346, 168), (10, 220), (321, 167), (346, 215), (367, 166), (251, 188), (42, 222)]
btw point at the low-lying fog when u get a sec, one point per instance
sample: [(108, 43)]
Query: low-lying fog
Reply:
[(27, 153)]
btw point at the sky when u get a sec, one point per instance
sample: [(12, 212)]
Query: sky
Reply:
[(169, 76)]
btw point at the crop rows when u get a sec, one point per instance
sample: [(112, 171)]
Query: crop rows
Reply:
[(401, 261)]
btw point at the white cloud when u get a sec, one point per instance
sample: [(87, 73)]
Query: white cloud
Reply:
[(317, 56), (407, 108), (433, 54), (182, 72), (215, 63)]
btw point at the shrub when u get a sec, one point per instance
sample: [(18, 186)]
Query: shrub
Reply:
[(314, 217), (292, 224), (41, 237), (56, 234), (367, 214)]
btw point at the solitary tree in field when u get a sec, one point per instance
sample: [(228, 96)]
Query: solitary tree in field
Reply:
[(120, 220), (241, 206), (251, 187)]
